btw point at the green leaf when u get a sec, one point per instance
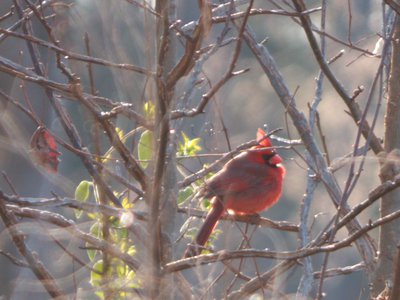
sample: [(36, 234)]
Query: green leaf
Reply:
[(100, 294), (148, 110), (184, 194), (130, 276), (96, 232), (120, 269), (120, 133), (193, 146), (131, 280), (213, 237), (126, 203), (206, 203), (96, 275), (189, 147), (145, 148), (91, 253), (131, 251), (94, 216), (82, 192), (78, 213), (121, 233)]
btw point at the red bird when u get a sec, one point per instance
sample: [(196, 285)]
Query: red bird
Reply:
[(247, 184), (44, 149)]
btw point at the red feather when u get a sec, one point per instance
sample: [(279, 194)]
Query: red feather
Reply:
[(247, 184), (44, 149), (264, 142)]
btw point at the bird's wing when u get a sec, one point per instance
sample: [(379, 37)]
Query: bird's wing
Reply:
[(239, 178)]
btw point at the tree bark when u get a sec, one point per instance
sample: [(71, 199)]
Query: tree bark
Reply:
[(389, 235), (163, 193)]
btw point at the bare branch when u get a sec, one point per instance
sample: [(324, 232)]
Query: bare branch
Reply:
[(71, 227), (75, 56), (353, 106), (32, 259), (269, 66), (249, 219)]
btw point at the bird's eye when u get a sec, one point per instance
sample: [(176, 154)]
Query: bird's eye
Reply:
[(267, 157)]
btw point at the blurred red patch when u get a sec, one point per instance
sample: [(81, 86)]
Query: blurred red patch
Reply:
[(44, 149)]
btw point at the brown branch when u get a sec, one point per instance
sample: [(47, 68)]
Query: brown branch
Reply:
[(269, 276), (38, 76), (17, 70), (335, 39), (393, 5), (6, 15), (76, 56), (199, 109), (193, 44), (355, 110), (72, 228), (396, 277), (299, 121), (131, 164), (70, 254), (89, 207), (230, 72), (383, 189), (27, 14), (161, 135), (283, 255), (389, 234), (249, 219), (341, 271), (32, 259), (125, 109), (117, 108), (14, 260), (146, 7), (260, 11)]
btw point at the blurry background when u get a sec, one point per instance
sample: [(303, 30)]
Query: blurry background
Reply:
[(117, 32)]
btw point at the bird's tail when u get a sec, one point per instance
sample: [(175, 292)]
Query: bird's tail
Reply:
[(211, 221)]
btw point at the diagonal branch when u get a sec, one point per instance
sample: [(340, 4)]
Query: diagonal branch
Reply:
[(61, 112), (393, 5), (33, 260), (299, 120), (355, 110), (193, 44), (71, 227), (248, 219)]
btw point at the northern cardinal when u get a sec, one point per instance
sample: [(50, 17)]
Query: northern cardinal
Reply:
[(247, 184), (44, 149)]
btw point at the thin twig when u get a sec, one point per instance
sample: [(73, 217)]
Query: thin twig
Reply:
[(14, 260), (260, 11), (283, 255), (341, 271), (249, 219), (75, 56), (270, 68), (396, 277), (72, 228), (32, 259), (353, 106)]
